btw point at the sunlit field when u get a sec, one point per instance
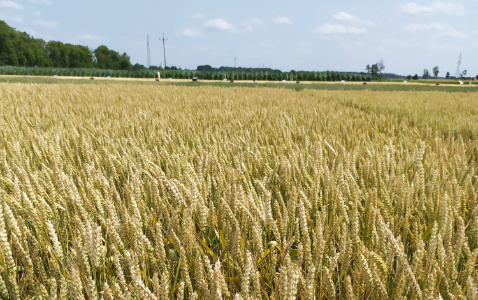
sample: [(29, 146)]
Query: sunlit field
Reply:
[(154, 191)]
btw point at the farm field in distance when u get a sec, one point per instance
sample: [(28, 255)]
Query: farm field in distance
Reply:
[(391, 85), (164, 191)]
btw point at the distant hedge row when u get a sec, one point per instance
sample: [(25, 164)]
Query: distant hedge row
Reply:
[(185, 74)]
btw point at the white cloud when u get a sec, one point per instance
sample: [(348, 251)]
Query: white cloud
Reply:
[(346, 17), (44, 2), (36, 14), (333, 29), (343, 16), (45, 23), (449, 8), (10, 5), (415, 9), (436, 7), (281, 20), (441, 29), (190, 32), (219, 24), (252, 23), (197, 16)]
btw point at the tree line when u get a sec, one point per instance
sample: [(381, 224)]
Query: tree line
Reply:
[(187, 74), (208, 68), (20, 49), (436, 71)]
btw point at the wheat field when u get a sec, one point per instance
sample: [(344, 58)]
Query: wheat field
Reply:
[(163, 192)]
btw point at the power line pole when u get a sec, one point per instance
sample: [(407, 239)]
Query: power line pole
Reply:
[(458, 72), (164, 50)]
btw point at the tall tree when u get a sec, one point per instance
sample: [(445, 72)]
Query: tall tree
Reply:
[(110, 59), (20, 49), (57, 52), (205, 68), (8, 55), (374, 69), (425, 74), (137, 67), (102, 57), (124, 62), (79, 56), (24, 49), (380, 66), (436, 70)]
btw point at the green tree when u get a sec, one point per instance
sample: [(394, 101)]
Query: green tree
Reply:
[(436, 70), (20, 49), (41, 53), (137, 67), (103, 59), (425, 74), (205, 68), (447, 75), (374, 69), (57, 53), (380, 66), (24, 49), (415, 77), (110, 59), (8, 55), (368, 69), (124, 62), (79, 56)]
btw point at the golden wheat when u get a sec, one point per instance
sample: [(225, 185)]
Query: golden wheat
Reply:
[(130, 192)]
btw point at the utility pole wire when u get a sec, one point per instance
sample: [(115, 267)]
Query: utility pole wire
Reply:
[(164, 50)]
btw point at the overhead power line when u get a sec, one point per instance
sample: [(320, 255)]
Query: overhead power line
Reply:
[(164, 49)]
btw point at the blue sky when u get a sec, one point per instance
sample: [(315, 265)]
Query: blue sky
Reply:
[(302, 35)]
